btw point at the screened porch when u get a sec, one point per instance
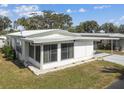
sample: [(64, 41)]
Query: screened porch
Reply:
[(50, 53)]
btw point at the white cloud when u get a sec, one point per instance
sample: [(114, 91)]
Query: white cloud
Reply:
[(4, 5), (4, 12), (121, 18), (102, 7), (82, 10), (30, 14), (69, 11), (117, 23), (111, 20), (27, 10)]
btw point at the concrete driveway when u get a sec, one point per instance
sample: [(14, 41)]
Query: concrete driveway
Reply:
[(117, 85), (119, 59)]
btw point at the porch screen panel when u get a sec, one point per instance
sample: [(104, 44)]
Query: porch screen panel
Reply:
[(31, 51), (46, 53), (53, 53), (64, 51), (50, 53), (67, 50), (37, 53), (71, 50)]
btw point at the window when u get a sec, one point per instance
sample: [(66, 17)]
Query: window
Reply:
[(31, 51), (18, 46), (50, 53), (37, 52), (67, 50)]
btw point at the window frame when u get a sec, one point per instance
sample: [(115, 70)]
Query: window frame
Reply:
[(67, 48), (34, 55), (50, 53), (30, 45)]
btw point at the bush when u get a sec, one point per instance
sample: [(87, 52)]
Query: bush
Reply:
[(108, 47), (100, 46), (8, 52)]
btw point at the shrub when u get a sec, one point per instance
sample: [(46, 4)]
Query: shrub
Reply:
[(101, 46), (8, 52)]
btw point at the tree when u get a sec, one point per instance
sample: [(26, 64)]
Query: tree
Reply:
[(5, 22), (72, 29), (80, 28), (22, 21), (121, 28), (49, 20), (109, 27), (88, 26)]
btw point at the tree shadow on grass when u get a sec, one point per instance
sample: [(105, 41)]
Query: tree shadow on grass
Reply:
[(16, 62), (19, 64), (114, 70)]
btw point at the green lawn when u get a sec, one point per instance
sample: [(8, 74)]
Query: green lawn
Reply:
[(89, 75), (109, 51)]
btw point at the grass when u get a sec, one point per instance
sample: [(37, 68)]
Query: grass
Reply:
[(109, 51), (88, 75)]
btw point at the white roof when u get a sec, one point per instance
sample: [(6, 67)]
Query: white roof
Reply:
[(30, 32), (102, 34), (54, 35), (52, 38)]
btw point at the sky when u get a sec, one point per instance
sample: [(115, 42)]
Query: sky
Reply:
[(79, 12)]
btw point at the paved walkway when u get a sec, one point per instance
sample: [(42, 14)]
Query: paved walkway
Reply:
[(101, 54)]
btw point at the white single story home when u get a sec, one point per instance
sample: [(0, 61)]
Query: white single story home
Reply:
[(51, 48)]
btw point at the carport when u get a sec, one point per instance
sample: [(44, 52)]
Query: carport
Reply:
[(111, 41), (117, 37)]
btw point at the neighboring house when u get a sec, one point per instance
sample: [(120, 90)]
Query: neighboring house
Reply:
[(2, 41), (51, 48), (119, 44)]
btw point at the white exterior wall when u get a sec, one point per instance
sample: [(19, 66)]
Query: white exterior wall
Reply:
[(18, 54), (12, 42), (83, 50)]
